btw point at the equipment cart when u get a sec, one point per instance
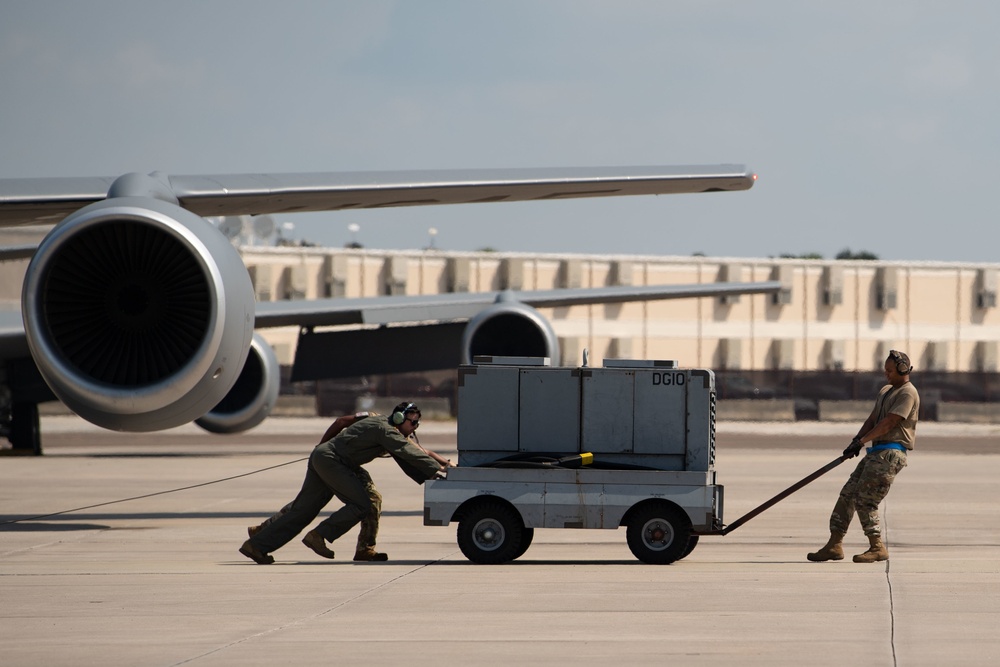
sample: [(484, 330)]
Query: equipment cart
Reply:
[(630, 444)]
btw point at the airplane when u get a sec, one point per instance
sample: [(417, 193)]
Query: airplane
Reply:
[(139, 315)]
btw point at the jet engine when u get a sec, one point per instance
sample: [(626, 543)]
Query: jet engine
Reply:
[(509, 328), (505, 328), (138, 313), (253, 396)]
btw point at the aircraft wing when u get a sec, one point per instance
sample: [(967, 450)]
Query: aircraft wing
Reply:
[(384, 310), (48, 200), (443, 331), (410, 309), (139, 314)]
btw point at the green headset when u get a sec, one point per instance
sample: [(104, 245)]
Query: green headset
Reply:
[(903, 366), (398, 415)]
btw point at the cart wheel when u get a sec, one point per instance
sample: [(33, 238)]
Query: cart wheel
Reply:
[(659, 534), (526, 537), (692, 543), (491, 532)]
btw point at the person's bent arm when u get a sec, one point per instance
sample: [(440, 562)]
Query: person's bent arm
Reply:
[(866, 427), (889, 422), (445, 463), (406, 449), (856, 445), (338, 425)]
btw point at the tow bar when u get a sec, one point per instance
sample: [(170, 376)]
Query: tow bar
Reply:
[(776, 499)]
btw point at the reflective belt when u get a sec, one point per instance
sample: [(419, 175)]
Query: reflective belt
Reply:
[(886, 445)]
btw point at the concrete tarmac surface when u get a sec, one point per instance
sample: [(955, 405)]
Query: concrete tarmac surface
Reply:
[(159, 581)]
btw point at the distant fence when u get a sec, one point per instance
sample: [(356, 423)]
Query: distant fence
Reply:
[(841, 395)]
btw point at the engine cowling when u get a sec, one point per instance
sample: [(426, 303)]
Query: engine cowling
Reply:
[(138, 313), (252, 398), (509, 328)]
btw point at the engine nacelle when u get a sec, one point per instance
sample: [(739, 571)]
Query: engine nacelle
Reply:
[(509, 328), (252, 398), (138, 313)]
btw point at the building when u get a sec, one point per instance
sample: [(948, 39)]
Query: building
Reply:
[(839, 315), (820, 342)]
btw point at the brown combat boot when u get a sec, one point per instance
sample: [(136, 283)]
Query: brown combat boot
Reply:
[(832, 550), (315, 541), (370, 554), (875, 553), (255, 554)]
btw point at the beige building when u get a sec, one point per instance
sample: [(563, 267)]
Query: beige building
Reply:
[(830, 315)]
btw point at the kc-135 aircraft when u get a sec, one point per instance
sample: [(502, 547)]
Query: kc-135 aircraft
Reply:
[(139, 315)]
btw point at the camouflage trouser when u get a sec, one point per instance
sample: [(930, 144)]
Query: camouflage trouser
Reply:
[(865, 489), (369, 524)]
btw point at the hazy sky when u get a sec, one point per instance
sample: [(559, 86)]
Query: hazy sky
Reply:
[(872, 125)]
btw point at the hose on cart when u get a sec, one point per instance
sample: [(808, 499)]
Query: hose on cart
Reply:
[(541, 461), (536, 460)]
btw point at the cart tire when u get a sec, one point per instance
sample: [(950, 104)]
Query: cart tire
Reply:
[(526, 537), (659, 533), (692, 543), (491, 532)]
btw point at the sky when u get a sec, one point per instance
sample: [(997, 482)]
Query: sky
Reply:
[(872, 126)]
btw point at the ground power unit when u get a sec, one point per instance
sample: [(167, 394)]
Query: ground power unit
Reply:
[(628, 444)]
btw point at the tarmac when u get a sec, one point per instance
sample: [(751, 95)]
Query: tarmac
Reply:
[(157, 580)]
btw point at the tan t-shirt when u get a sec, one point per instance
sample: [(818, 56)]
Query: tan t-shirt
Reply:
[(905, 402)]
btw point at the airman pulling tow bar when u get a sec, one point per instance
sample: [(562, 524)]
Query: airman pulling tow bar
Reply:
[(776, 499)]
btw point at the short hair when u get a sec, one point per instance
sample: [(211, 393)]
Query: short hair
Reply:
[(405, 407)]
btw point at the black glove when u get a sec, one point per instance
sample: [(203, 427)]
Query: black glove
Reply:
[(853, 449)]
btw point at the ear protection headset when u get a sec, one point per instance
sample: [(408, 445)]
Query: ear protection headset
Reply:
[(902, 366), (398, 415)]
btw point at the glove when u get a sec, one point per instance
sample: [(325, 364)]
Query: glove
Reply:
[(853, 449)]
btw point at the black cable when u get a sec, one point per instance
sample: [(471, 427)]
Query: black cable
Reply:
[(150, 495), (158, 493)]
